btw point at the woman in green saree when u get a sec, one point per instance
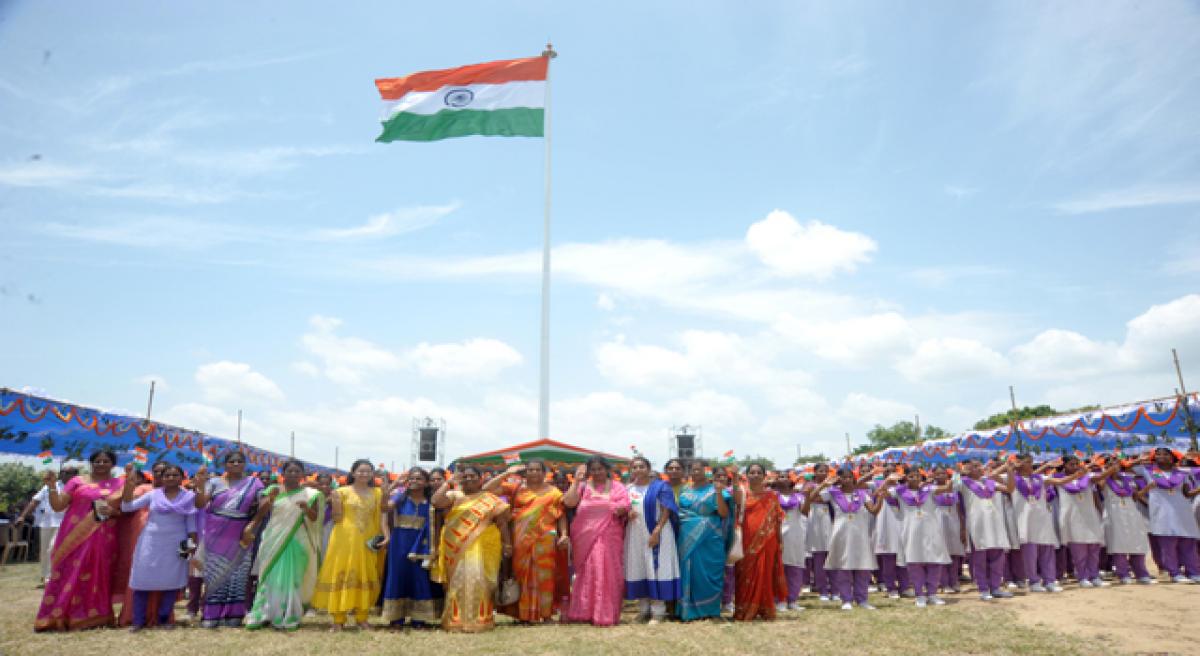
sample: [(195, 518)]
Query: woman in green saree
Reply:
[(289, 554)]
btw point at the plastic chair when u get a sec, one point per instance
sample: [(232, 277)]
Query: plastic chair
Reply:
[(17, 540)]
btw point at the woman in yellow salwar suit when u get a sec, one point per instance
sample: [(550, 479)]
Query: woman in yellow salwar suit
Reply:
[(474, 538), (350, 576)]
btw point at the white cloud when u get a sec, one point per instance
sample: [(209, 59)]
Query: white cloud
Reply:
[(158, 232), (42, 174), (643, 365), (959, 192), (938, 277), (349, 360), (389, 224), (166, 193), (855, 340), (160, 383), (235, 382), (474, 359), (1134, 197), (172, 232), (346, 360), (951, 359), (605, 302), (1149, 337), (870, 410), (706, 358), (1064, 354), (813, 250), (306, 368), (264, 160), (725, 278)]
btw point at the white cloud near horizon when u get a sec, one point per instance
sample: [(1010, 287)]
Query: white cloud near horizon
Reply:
[(351, 360), (39, 173), (191, 234), (811, 250), (1132, 198), (235, 382)]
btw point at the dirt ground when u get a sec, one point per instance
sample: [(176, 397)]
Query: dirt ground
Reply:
[(1157, 619)]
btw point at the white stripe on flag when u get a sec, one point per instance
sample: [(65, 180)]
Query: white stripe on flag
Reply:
[(483, 97)]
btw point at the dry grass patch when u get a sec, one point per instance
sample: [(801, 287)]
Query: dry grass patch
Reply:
[(963, 627)]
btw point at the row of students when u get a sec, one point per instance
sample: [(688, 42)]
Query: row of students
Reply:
[(668, 544)]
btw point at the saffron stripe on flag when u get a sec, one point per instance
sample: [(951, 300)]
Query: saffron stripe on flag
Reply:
[(496, 72)]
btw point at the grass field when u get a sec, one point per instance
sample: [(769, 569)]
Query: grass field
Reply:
[(962, 627)]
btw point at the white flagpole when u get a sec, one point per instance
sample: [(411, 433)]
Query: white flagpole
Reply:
[(544, 396)]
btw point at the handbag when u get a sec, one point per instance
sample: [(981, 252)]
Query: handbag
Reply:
[(509, 590), (735, 550)]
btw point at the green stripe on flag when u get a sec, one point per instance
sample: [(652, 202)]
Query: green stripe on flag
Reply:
[(515, 122)]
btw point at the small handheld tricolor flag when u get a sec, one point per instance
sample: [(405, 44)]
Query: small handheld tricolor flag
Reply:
[(47, 457), (728, 456), (512, 457), (140, 456)]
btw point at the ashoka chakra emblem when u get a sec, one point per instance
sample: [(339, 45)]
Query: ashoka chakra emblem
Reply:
[(459, 97)]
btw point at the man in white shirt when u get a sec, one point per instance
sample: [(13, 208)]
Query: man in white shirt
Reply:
[(46, 520)]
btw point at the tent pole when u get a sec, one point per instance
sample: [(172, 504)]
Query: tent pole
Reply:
[(1187, 412)]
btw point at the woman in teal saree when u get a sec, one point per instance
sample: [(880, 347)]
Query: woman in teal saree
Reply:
[(702, 506)]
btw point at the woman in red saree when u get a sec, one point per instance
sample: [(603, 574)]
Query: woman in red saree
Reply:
[(761, 582), (598, 544), (539, 531), (79, 594)]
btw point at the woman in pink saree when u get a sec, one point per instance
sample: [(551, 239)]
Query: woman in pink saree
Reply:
[(79, 594), (597, 543)]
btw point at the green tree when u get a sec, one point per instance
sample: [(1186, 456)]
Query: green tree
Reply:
[(17, 484), (811, 460), (901, 433), (1036, 412)]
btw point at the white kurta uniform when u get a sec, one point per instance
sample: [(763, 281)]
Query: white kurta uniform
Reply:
[(1034, 514), (1125, 528), (986, 525), (922, 539), (850, 540), (1078, 518)]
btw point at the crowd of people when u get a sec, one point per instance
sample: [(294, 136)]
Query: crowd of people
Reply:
[(430, 549)]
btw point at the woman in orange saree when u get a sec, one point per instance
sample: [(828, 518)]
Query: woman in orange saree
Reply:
[(539, 531), (761, 582), (79, 594), (474, 537)]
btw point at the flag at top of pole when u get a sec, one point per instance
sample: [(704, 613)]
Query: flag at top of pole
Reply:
[(500, 98), (508, 98)]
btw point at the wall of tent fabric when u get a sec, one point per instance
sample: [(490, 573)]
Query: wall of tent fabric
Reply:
[(33, 426), (1130, 429)]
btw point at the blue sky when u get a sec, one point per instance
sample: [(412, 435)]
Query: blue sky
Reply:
[(782, 224)]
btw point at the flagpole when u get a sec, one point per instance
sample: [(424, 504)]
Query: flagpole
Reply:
[(544, 387)]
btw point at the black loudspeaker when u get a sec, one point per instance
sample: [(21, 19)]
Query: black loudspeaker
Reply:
[(685, 446), (427, 446)]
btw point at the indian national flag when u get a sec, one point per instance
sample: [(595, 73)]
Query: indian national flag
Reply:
[(500, 98), (47, 457), (511, 458), (140, 456)]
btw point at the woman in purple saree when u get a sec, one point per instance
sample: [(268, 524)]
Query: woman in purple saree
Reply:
[(229, 503)]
